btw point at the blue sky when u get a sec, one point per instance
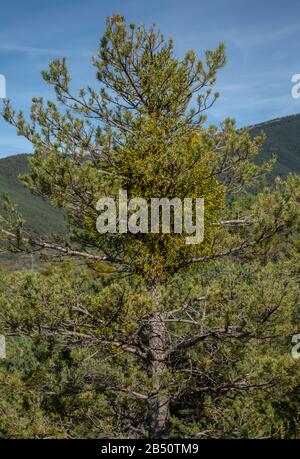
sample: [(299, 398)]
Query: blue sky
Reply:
[(262, 39)]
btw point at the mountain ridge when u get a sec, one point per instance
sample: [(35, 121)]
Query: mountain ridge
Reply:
[(40, 216), (283, 140)]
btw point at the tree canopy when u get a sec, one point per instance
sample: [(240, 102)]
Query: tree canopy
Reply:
[(152, 337)]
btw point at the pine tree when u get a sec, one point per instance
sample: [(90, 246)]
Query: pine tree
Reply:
[(185, 323)]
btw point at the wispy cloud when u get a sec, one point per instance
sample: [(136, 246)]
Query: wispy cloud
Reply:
[(259, 36), (44, 51)]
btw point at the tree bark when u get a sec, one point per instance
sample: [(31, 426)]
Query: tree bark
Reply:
[(159, 401)]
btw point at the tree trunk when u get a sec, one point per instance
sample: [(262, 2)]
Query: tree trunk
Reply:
[(159, 401)]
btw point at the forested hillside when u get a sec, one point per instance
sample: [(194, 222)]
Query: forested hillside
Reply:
[(39, 214), (283, 140)]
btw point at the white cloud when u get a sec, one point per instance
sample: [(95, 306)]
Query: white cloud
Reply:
[(47, 51)]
